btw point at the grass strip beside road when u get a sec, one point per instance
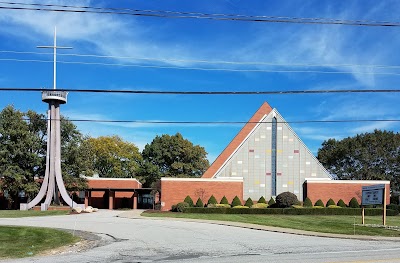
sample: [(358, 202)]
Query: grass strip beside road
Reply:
[(325, 224), (17, 242), (19, 213)]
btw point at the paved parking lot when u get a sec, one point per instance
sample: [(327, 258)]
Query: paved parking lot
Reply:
[(137, 239)]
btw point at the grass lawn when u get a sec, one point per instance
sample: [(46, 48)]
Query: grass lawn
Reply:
[(19, 213), (326, 224), (16, 242)]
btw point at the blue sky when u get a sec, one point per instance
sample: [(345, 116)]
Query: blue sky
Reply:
[(349, 51)]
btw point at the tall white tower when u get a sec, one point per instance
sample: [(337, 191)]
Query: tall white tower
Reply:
[(53, 179)]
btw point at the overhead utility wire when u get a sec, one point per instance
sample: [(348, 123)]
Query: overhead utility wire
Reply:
[(170, 14), (204, 61), (271, 92), (201, 68), (222, 122)]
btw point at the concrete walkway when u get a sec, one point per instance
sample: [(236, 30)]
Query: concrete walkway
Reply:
[(136, 214)]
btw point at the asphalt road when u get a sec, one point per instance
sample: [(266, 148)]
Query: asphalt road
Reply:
[(155, 240)]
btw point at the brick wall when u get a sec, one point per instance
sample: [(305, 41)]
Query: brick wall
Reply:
[(336, 190), (174, 191)]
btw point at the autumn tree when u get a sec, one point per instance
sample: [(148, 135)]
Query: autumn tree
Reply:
[(172, 156), (368, 156), (114, 157)]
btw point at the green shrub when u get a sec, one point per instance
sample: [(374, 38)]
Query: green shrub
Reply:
[(173, 208), (334, 206), (330, 202), (262, 200), (212, 200), (240, 206), (393, 207), (307, 203), (290, 211), (286, 199), (259, 205), (297, 206), (189, 200), (180, 207), (224, 201), (249, 202), (394, 199), (341, 203), (271, 201), (236, 201), (199, 203), (319, 203), (354, 203), (223, 205)]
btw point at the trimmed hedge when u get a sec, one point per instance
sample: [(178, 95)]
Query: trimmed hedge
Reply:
[(262, 200), (189, 200), (291, 211), (271, 201), (307, 202), (354, 203), (236, 202), (341, 203), (330, 202), (199, 203), (212, 200), (319, 203), (224, 201), (249, 202)]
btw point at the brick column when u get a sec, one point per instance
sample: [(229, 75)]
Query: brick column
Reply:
[(87, 198), (111, 195), (135, 195)]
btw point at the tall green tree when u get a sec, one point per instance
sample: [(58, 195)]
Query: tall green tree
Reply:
[(114, 157), (368, 156), (20, 154), (172, 156), (23, 140)]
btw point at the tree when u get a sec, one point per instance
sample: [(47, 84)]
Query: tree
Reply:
[(113, 157), (23, 140), (172, 156), (368, 156)]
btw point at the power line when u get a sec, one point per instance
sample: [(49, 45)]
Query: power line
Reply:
[(201, 68), (221, 122), (192, 15), (205, 61), (162, 92)]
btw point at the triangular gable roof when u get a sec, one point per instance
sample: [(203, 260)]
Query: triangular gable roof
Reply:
[(265, 109)]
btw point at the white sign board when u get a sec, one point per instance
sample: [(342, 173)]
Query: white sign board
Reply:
[(372, 195)]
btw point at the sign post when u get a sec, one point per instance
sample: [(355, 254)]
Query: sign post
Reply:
[(374, 195)]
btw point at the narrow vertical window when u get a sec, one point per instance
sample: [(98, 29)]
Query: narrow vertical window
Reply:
[(273, 157)]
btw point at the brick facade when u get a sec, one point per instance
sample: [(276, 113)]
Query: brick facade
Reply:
[(339, 189), (174, 190), (100, 198)]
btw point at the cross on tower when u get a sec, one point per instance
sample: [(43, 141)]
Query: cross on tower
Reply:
[(53, 179), (54, 47)]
